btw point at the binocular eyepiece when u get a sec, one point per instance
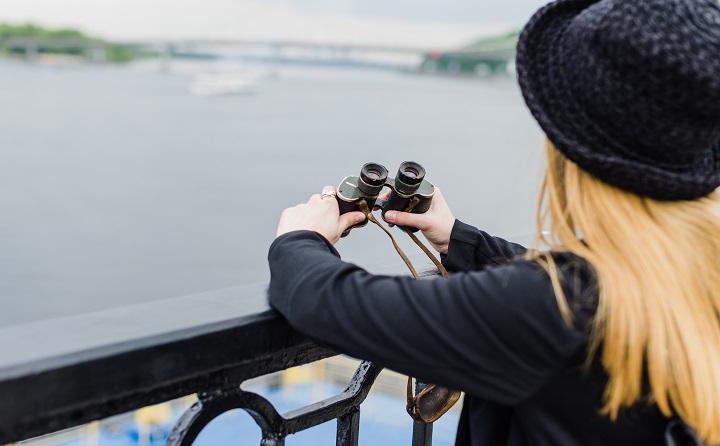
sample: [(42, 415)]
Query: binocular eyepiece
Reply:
[(372, 178), (409, 191), (409, 178)]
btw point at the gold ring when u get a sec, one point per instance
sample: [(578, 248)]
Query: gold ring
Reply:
[(327, 193)]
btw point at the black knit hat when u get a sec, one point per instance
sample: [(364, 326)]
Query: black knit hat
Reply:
[(629, 90)]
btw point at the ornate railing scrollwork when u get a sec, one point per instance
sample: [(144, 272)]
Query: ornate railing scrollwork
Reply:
[(345, 407)]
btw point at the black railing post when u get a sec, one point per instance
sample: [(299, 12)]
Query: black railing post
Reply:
[(422, 433), (272, 439), (348, 429)]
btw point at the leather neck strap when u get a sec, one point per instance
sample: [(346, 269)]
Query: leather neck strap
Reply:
[(368, 213)]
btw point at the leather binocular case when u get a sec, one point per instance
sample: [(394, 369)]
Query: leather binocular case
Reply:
[(431, 403)]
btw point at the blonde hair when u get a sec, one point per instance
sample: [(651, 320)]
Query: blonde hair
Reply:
[(658, 269)]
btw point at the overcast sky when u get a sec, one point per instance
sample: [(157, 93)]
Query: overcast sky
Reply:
[(404, 22)]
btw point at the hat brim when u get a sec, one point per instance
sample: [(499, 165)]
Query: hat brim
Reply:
[(571, 130)]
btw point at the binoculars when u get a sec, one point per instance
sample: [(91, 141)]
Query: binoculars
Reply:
[(409, 191)]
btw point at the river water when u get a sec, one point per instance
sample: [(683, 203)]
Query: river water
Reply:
[(118, 186)]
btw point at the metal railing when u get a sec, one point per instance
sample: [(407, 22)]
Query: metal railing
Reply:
[(63, 373)]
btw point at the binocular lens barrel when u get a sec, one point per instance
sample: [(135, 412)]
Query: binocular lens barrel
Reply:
[(409, 176), (372, 178)]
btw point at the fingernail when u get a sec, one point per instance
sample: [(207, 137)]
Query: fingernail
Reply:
[(390, 216), (359, 218)]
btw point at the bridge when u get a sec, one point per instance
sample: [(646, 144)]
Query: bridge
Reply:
[(97, 49), (273, 51)]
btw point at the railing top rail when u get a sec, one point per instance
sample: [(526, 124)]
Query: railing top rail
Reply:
[(42, 345), (65, 372)]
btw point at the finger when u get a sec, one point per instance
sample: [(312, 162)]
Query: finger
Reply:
[(349, 219), (420, 221), (383, 197), (438, 201)]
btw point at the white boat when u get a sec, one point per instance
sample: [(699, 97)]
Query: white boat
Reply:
[(223, 83)]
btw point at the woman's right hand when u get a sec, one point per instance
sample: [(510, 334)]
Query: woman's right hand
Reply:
[(436, 224)]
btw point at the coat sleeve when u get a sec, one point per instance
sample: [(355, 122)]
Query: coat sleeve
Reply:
[(495, 334), (471, 249)]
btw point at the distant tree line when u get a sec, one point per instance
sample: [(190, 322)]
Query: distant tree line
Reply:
[(30, 30), (488, 56), (66, 41)]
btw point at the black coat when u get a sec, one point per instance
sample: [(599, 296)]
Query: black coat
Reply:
[(493, 331)]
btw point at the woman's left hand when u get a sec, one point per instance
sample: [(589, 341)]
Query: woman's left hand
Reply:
[(319, 214)]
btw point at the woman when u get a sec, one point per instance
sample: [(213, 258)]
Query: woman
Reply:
[(614, 332)]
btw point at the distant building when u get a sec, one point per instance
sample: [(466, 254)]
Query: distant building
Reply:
[(485, 57)]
